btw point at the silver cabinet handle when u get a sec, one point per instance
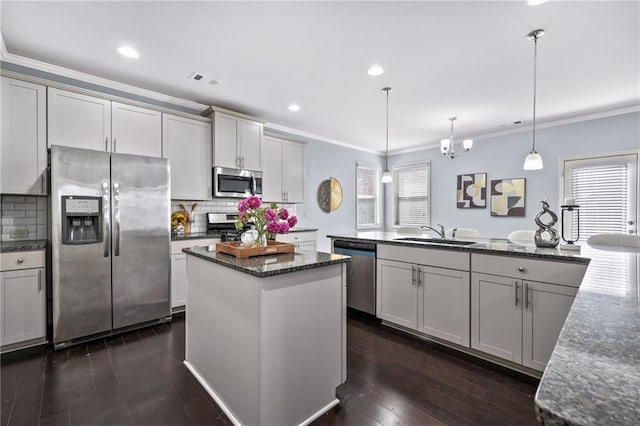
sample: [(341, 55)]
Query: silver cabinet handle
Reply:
[(19, 261), (106, 228), (516, 292), (114, 144), (106, 143), (419, 276), (116, 218), (413, 275), (526, 296), (521, 268), (39, 280)]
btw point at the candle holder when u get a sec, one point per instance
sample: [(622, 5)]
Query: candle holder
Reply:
[(572, 212)]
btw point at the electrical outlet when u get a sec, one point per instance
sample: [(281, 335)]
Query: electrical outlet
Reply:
[(305, 214), (19, 233)]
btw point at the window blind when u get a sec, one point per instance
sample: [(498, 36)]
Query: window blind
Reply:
[(602, 193), (412, 195), (368, 188)]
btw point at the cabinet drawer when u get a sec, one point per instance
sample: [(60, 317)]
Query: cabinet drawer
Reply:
[(425, 256), (550, 271), (177, 246), (297, 237), (22, 260)]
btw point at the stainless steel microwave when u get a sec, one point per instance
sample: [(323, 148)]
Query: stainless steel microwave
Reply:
[(235, 183)]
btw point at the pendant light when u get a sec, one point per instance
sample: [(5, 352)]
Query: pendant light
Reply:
[(447, 146), (533, 161), (386, 176)]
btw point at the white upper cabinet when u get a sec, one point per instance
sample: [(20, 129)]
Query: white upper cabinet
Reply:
[(78, 121), (187, 144), (237, 142), (283, 171), (23, 147), (135, 130)]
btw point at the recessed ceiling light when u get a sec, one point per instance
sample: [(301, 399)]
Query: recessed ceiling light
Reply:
[(536, 2), (375, 70), (128, 52), (294, 107)]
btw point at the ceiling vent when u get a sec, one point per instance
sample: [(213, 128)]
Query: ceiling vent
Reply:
[(197, 76)]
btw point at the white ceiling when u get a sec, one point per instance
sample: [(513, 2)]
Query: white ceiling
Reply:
[(469, 59)]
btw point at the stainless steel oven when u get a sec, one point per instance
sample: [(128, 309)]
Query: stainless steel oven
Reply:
[(235, 183)]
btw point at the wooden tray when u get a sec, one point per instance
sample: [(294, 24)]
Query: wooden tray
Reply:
[(235, 249)]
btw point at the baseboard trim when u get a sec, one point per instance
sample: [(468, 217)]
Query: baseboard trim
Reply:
[(320, 412)]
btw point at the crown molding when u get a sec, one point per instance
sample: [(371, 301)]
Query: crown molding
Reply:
[(283, 132), (6, 56), (529, 128)]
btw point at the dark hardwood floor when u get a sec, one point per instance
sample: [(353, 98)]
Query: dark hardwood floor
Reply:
[(139, 378)]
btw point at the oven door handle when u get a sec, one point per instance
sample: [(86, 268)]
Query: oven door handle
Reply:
[(254, 185)]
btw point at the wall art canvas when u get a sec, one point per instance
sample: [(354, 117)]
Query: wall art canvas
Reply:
[(471, 192), (508, 197)]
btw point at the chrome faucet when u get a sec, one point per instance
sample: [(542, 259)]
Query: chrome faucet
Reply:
[(440, 232)]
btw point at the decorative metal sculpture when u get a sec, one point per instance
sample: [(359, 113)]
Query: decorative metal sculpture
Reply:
[(546, 236)]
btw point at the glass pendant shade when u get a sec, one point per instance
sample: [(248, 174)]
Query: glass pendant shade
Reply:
[(386, 177), (444, 145), (533, 161), (467, 144)]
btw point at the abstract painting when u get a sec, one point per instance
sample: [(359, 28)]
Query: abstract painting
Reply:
[(471, 191), (508, 197)]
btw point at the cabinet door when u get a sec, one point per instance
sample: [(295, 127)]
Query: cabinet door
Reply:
[(397, 293), (546, 307), (496, 316), (23, 305), (443, 310), (293, 172), (78, 121), (178, 280), (272, 189), (225, 141), (136, 131), (187, 145), (23, 148), (306, 247), (250, 143)]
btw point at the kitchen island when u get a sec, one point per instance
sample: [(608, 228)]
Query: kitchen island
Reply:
[(266, 336)]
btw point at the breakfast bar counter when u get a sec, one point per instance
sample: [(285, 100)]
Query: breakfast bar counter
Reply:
[(266, 336)]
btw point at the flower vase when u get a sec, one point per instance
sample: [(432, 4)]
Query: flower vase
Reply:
[(261, 240), (187, 228)]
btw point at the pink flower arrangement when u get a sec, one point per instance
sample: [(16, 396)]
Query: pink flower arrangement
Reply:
[(267, 220)]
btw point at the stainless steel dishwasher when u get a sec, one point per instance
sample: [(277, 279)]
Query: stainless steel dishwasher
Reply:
[(361, 274)]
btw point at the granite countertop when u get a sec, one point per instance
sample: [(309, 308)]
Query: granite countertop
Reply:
[(9, 246), (593, 376), (267, 266), (216, 234), (500, 246)]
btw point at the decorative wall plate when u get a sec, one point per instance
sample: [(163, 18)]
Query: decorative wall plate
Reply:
[(329, 195)]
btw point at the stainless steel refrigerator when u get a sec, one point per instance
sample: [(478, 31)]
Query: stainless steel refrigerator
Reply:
[(110, 242)]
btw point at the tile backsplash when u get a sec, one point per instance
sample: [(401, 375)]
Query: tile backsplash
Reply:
[(218, 206), (23, 213)]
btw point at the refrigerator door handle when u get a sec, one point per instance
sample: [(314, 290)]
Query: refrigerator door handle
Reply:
[(116, 218), (106, 228)]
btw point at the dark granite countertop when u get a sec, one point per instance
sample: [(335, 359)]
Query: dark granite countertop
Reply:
[(501, 246), (195, 236), (9, 246), (593, 376), (267, 266)]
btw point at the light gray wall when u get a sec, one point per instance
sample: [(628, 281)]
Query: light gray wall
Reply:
[(502, 158), (322, 161)]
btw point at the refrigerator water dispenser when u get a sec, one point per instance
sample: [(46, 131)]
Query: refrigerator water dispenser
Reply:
[(81, 220)]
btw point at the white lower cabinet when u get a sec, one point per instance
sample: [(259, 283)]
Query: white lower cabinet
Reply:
[(178, 280), (518, 320), (433, 301), (23, 306), (303, 241)]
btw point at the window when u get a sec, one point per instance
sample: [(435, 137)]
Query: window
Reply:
[(411, 195), (605, 189), (368, 191)]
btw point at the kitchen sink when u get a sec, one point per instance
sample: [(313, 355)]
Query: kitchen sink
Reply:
[(436, 241)]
